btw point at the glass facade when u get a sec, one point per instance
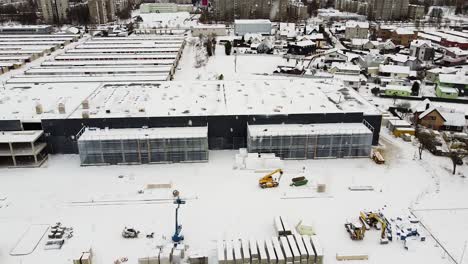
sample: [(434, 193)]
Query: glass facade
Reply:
[(95, 151), (313, 146)]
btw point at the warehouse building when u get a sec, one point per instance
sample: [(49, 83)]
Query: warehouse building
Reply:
[(229, 110), (252, 26)]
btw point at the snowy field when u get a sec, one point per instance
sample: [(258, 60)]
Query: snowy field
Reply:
[(246, 67), (224, 203)]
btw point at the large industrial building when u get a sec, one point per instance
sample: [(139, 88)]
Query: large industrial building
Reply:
[(136, 58), (121, 122)]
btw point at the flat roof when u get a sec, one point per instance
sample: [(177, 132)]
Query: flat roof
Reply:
[(124, 50), (174, 98), (114, 56), (132, 46), (309, 129), (140, 37), (36, 43), (143, 133), (108, 62), (51, 36), (394, 69), (20, 136), (32, 79), (19, 38), (58, 70), (252, 21)]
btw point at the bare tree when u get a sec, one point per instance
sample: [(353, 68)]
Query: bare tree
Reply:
[(426, 141)]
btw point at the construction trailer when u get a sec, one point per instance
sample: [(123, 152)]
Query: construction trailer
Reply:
[(312, 141), (145, 145)]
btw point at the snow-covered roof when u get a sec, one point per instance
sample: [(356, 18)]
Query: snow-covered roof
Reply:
[(358, 42), (428, 111), (420, 43), (429, 37), (198, 98), (401, 58), (457, 51), (347, 77), (20, 136), (448, 90), (421, 106), (454, 118), (345, 66), (304, 43), (458, 78), (353, 24), (398, 88), (404, 31), (309, 129), (252, 21), (399, 123), (143, 133), (394, 69), (446, 70)]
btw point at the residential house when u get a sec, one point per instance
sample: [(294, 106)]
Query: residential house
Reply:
[(458, 81), (435, 117), (446, 92), (335, 56), (358, 30), (303, 47), (404, 60), (403, 36), (358, 43), (385, 32), (397, 90), (394, 71), (455, 56), (432, 75), (422, 49), (318, 38), (345, 68), (349, 80)]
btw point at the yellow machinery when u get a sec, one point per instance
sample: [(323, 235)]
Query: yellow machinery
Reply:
[(372, 220), (356, 231), (268, 181)]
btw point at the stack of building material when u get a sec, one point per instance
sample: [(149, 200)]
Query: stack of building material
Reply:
[(198, 259), (309, 249), (238, 259), (282, 227), (229, 252), (257, 161), (148, 260), (279, 252), (288, 255), (317, 249), (221, 253), (272, 258), (294, 250), (305, 229), (302, 250), (245, 251), (263, 256), (254, 255), (341, 256)]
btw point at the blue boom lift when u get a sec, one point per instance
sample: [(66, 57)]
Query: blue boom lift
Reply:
[(177, 237)]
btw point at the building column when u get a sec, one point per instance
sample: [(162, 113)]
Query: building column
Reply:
[(12, 154), (34, 152)]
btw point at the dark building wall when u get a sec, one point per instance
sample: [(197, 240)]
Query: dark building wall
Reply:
[(10, 125), (224, 132)]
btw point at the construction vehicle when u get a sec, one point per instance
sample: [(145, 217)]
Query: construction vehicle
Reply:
[(177, 237), (356, 231), (377, 157), (130, 233), (268, 181), (373, 220)]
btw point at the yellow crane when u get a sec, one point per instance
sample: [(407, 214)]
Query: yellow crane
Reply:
[(268, 181), (372, 219)]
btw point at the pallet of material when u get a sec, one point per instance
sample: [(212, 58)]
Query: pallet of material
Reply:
[(158, 186), (311, 256), (245, 251), (221, 253), (262, 252), (148, 260), (272, 259), (229, 252), (288, 255), (279, 252), (197, 259), (294, 249), (341, 256), (302, 250), (254, 257), (238, 259), (318, 249), (361, 188)]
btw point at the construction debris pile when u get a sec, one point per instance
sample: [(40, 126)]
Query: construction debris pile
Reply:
[(57, 235)]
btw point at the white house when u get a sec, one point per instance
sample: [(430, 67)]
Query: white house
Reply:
[(345, 68), (422, 49), (404, 60), (356, 29)]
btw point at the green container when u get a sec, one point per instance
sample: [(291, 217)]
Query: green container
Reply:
[(299, 183)]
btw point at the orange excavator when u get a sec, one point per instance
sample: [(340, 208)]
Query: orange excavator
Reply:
[(268, 181)]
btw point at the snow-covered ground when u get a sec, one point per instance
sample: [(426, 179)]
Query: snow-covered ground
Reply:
[(224, 203), (247, 66)]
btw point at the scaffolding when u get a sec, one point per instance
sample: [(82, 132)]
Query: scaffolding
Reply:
[(313, 141), (141, 146), (22, 148)]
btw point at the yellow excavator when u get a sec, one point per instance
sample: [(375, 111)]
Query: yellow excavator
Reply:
[(371, 220), (356, 231), (268, 181)]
